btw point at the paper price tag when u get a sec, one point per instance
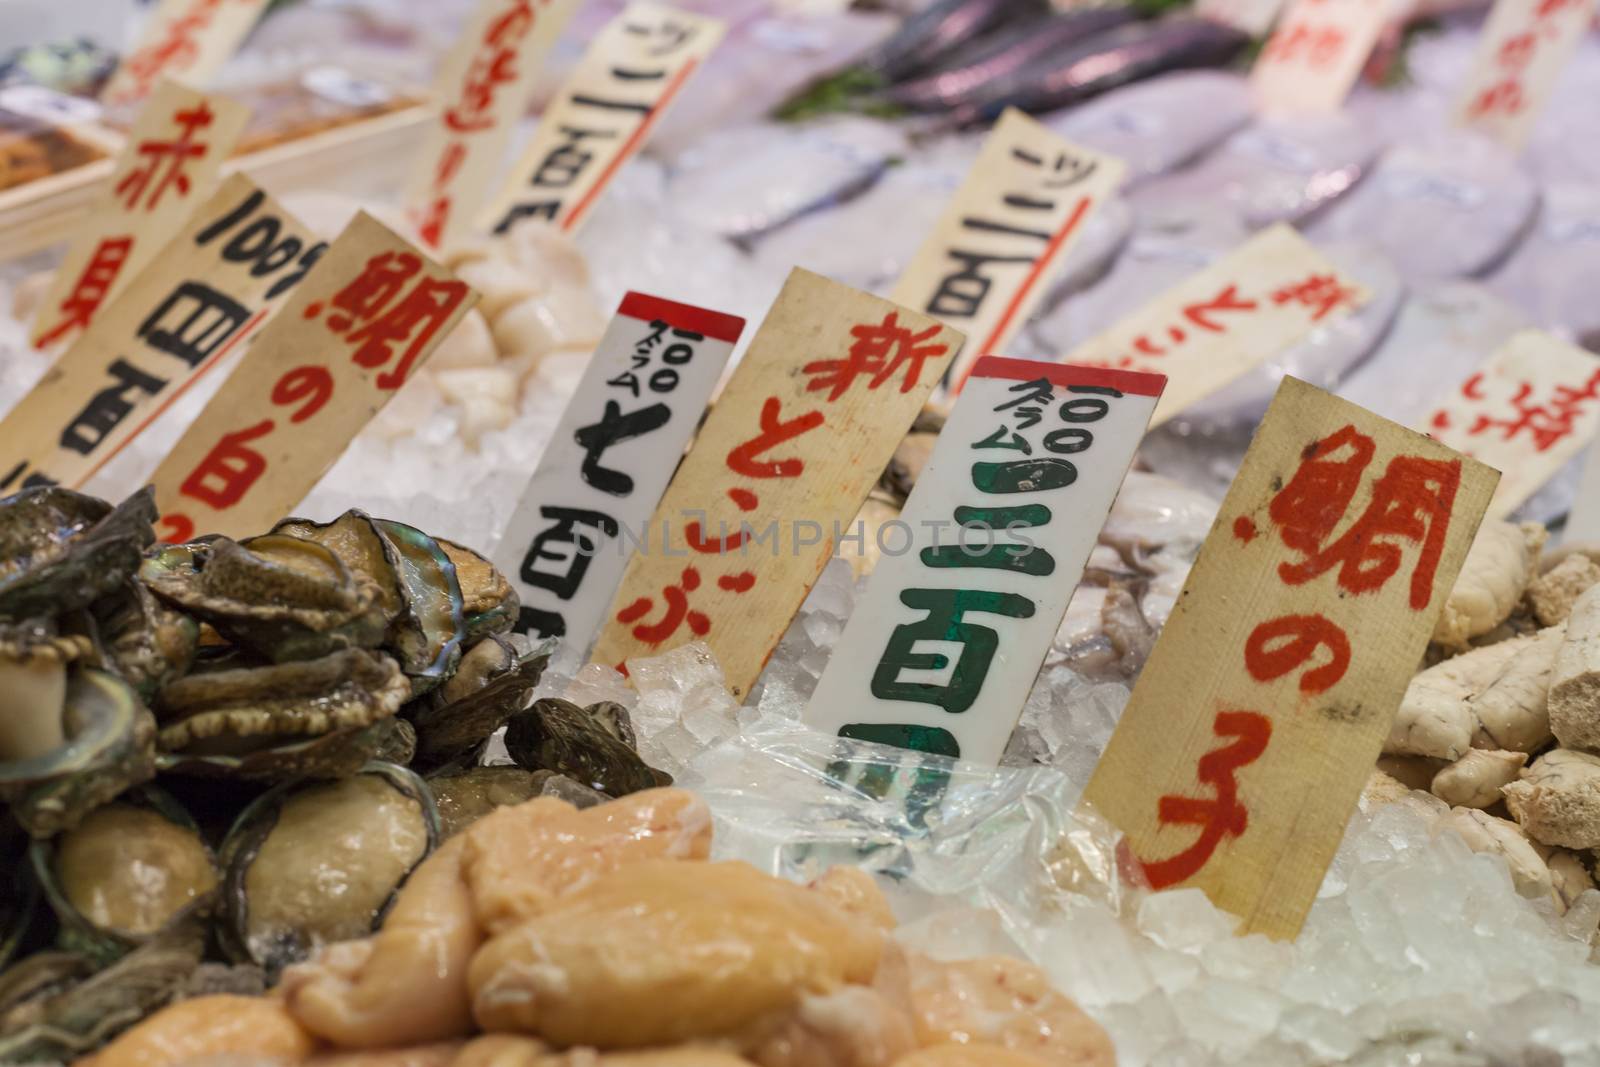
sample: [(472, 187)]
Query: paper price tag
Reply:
[(942, 651), (167, 167), (1313, 58), (204, 292), (1528, 409), (1526, 44), (829, 386), (1230, 317), (627, 79), (188, 39), (367, 317), (993, 252), (1266, 699), (483, 89), (609, 461)]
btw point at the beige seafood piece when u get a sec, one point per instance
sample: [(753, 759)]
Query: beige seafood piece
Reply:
[(1512, 712), (1503, 558), (406, 984), (1474, 780), (1568, 875), (132, 869), (1434, 718), (1574, 701), (470, 344), (487, 397), (499, 284), (438, 1054), (974, 1055), (1382, 789), (1557, 799), (855, 1026), (1551, 595), (563, 317), (254, 1028), (660, 952), (519, 860), (503, 1050), (1501, 837), (1006, 1002), (855, 892), (683, 1056)]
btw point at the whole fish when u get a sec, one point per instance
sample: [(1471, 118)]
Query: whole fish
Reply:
[(1105, 61), (1002, 55), (940, 28)]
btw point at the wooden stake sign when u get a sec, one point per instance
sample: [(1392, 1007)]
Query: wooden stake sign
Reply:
[(367, 317), (941, 653), (1254, 17), (483, 88), (989, 260), (1526, 411), (1269, 693), (1312, 60), (829, 386), (604, 112), (167, 167), (1227, 319), (1525, 46), (609, 461), (204, 292), (188, 39)]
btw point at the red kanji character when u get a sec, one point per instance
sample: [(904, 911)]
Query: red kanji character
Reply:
[(1410, 502), (1227, 300), (1287, 42), (696, 539), (369, 292), (1268, 656), (1548, 8), (1321, 292), (1517, 52), (425, 309), (677, 612), (1326, 46), (1148, 347), (774, 431), (1218, 817), (431, 222), (491, 67), (879, 351), (314, 385), (162, 162), (178, 48), (105, 263), (229, 470), (1544, 424), (1503, 97)]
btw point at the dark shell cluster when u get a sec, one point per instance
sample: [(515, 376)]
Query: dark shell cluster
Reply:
[(255, 719)]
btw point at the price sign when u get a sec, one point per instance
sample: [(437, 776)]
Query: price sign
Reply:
[(993, 252), (941, 653), (204, 292), (188, 39), (1267, 697), (600, 119), (167, 167), (1313, 58), (366, 318), (1229, 318), (1526, 411), (483, 87), (831, 383), (1525, 46), (609, 461)]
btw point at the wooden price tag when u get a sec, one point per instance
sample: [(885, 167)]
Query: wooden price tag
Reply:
[(1227, 319), (203, 293), (483, 88), (1528, 409), (367, 317), (1525, 46), (940, 654), (1313, 58), (1254, 17), (990, 258), (829, 386), (604, 112), (188, 39), (1269, 693), (609, 461), (167, 167)]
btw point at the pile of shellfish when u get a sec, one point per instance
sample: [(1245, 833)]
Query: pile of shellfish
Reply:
[(217, 757)]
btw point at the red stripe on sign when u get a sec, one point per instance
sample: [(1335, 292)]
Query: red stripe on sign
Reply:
[(629, 147), (717, 325), (1139, 383)]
